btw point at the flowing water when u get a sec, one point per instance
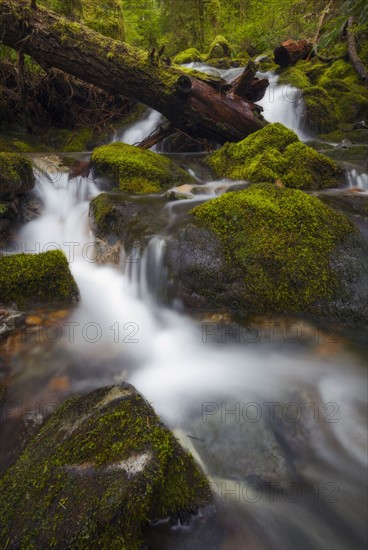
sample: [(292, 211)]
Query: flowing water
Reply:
[(274, 412)]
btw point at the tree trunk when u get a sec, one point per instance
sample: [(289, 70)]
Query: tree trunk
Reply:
[(353, 54), (291, 51), (188, 103)]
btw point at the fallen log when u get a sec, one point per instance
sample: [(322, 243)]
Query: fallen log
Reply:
[(291, 51), (247, 85), (352, 51), (189, 104)]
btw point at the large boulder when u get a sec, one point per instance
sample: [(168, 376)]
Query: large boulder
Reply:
[(272, 153), (268, 249), (136, 170), (99, 470), (33, 279)]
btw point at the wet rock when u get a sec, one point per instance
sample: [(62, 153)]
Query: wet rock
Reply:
[(99, 470), (174, 195), (263, 58), (32, 279), (10, 321), (220, 263)]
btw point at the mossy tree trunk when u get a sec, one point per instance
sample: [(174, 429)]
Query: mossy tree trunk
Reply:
[(190, 104)]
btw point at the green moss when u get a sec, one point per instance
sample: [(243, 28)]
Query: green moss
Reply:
[(294, 77), (4, 207), (321, 115), (280, 240), (353, 153), (219, 48), (338, 70), (188, 56), (308, 169), (16, 174), (79, 141), (355, 136), (312, 69), (29, 279), (137, 170), (101, 467), (276, 153)]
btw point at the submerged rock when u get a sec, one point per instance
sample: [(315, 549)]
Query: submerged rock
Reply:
[(136, 170), (270, 249), (99, 470), (33, 279), (272, 153), (10, 320)]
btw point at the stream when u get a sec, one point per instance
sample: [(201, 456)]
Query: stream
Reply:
[(274, 412)]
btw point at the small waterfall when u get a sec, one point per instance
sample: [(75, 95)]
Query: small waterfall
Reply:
[(283, 104), (146, 270), (357, 180), (138, 131), (64, 220)]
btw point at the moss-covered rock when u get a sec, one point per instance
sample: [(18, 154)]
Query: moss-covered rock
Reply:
[(275, 152), (136, 170), (31, 279), (100, 469), (321, 115), (191, 55), (280, 243), (359, 136), (219, 48), (222, 63), (294, 77), (16, 174)]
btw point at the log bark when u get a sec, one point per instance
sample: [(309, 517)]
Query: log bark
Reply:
[(188, 103), (247, 85), (291, 51), (353, 54)]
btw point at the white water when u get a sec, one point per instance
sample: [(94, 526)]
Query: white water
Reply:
[(358, 180), (140, 130)]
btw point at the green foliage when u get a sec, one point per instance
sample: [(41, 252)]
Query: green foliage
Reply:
[(30, 279), (276, 153), (136, 170), (294, 77), (281, 241)]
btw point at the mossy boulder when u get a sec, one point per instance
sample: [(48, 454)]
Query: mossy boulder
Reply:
[(191, 55), (136, 170), (16, 174), (272, 153), (33, 279), (320, 112), (219, 48), (294, 77), (99, 470), (278, 246), (359, 136)]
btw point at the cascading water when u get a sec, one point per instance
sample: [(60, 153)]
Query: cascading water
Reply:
[(230, 393), (140, 130)]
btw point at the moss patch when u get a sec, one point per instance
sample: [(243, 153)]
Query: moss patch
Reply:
[(16, 174), (294, 77), (96, 473), (276, 153), (219, 48), (281, 241), (136, 170), (31, 279), (321, 115), (355, 136), (191, 55)]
